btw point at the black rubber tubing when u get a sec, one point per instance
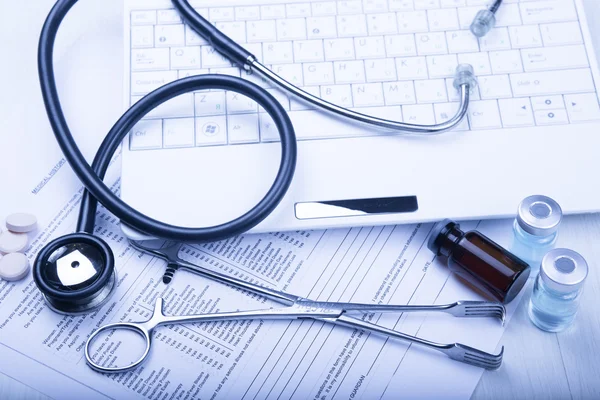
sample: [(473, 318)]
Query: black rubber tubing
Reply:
[(91, 177)]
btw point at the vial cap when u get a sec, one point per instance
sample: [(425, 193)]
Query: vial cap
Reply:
[(539, 215), (563, 270), (438, 228)]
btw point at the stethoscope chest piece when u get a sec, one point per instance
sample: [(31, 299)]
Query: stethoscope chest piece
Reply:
[(75, 273)]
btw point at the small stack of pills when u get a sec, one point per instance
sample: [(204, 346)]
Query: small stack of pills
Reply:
[(14, 265)]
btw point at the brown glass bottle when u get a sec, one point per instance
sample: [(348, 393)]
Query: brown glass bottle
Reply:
[(479, 260)]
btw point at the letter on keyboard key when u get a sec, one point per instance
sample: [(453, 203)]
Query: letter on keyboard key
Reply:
[(479, 61), (442, 66), (525, 36), (507, 61), (462, 42), (272, 11), (551, 117), (268, 129), (549, 58), (178, 132), (381, 24), (236, 30), (321, 27), (538, 12), (369, 47), (146, 134), (308, 50), (349, 71), (431, 91), (561, 33), (238, 103), (185, 57), (445, 111), (339, 49), (298, 9), (211, 131), (211, 58), (278, 52), (412, 21), (431, 43), (349, 6), (547, 102), (169, 35), (149, 59), (411, 68), (445, 19), (291, 29), (324, 8), (494, 87), (290, 72), (168, 17), (484, 115), (421, 114), (318, 73), (337, 94), (367, 94), (247, 13), (380, 70), (398, 93), (210, 103), (496, 39), (146, 17), (255, 78), (400, 45), (516, 112), (221, 14), (142, 36), (552, 82), (352, 25), (192, 38), (583, 107), (145, 82), (261, 31), (243, 128)]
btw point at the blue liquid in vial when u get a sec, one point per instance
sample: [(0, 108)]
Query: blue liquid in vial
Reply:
[(550, 310), (531, 248)]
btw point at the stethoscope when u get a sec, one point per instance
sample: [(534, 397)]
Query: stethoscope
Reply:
[(76, 273)]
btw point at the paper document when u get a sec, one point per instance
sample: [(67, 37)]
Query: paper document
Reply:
[(252, 359)]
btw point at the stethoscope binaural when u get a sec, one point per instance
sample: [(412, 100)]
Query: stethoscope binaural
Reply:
[(76, 272)]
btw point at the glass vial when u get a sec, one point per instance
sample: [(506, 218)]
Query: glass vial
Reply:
[(535, 229), (479, 260), (557, 289)]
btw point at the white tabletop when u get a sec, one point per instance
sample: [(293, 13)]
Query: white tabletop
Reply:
[(536, 364)]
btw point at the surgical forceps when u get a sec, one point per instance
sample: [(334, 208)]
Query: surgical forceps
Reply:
[(298, 308)]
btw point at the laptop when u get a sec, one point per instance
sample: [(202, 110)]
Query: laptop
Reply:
[(207, 157)]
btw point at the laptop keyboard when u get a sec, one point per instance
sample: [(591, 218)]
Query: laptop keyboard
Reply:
[(389, 58)]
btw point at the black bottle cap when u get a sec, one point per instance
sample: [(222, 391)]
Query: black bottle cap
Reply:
[(439, 230)]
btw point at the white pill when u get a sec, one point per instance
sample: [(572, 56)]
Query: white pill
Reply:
[(13, 242), (21, 222), (14, 267)]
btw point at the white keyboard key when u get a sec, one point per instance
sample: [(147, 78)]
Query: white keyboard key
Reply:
[(583, 107), (431, 43), (236, 30), (298, 10), (561, 33), (256, 78), (246, 13), (551, 117), (268, 129), (454, 94), (496, 39), (351, 25), (494, 87), (243, 128), (318, 73), (411, 68), (169, 35), (446, 111), (192, 38), (398, 93), (442, 66), (538, 12), (302, 105), (426, 4), (550, 58), (191, 72), (431, 91), (349, 7), (412, 21), (421, 114), (337, 94), (452, 3), (380, 70), (525, 36), (552, 82), (255, 49), (507, 61), (278, 52), (149, 59), (146, 134), (324, 8), (231, 71), (291, 29), (145, 82), (479, 61), (382, 24), (180, 106), (281, 97), (261, 31), (211, 58), (211, 131), (272, 11), (369, 47), (508, 15), (367, 94), (462, 42), (142, 36), (238, 103), (339, 49), (145, 17), (484, 114), (210, 103), (516, 112), (168, 17), (349, 71), (308, 50), (221, 14), (547, 102), (178, 132), (374, 6), (290, 72), (444, 19), (400, 45), (185, 57), (466, 16), (321, 27), (401, 5)]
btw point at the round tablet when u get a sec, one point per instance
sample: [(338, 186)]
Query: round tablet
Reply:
[(14, 267), (12, 242), (21, 222)]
